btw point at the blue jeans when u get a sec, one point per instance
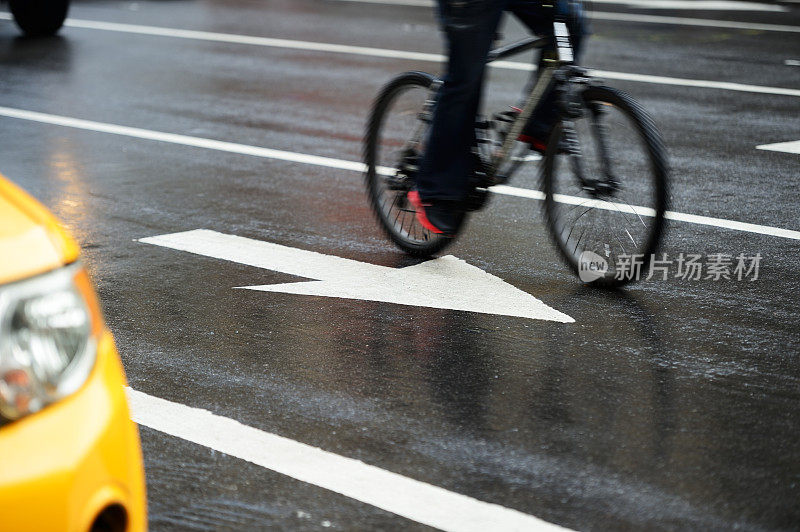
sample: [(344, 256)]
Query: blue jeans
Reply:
[(470, 27)]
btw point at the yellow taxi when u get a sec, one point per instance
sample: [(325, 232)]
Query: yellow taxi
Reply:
[(70, 458)]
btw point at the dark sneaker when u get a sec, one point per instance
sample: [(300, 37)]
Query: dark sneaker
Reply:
[(436, 216)]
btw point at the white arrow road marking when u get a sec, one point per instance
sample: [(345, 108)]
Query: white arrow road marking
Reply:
[(265, 255), (446, 282), (409, 498), (786, 147)]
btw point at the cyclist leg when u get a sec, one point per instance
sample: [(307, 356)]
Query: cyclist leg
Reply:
[(469, 27), (539, 19)]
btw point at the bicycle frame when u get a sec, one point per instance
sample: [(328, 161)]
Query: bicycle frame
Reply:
[(562, 69), (564, 57)]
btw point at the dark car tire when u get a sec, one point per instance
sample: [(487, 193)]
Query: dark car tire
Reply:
[(37, 18)]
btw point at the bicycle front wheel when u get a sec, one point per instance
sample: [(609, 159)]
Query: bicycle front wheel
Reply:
[(394, 146), (606, 188)]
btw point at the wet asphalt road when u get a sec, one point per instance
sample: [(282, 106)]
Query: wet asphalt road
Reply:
[(667, 405)]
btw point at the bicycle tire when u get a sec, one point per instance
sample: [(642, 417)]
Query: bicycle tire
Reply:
[(395, 214), (39, 18), (645, 165)]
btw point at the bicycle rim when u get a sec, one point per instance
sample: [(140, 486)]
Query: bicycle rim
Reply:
[(607, 233)]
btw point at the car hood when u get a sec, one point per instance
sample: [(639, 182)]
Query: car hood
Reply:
[(31, 239)]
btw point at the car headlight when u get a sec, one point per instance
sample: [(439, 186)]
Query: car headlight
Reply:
[(49, 329)]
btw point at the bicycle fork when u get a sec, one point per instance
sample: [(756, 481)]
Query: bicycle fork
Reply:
[(608, 184)]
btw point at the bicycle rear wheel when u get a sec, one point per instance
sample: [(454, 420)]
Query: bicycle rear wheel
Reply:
[(606, 189), (394, 146)]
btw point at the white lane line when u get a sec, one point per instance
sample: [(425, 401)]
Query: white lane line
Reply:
[(686, 21), (705, 5), (669, 215), (704, 84), (421, 502), (183, 140), (411, 3), (786, 147), (329, 162), (733, 224), (632, 17), (245, 39), (413, 56)]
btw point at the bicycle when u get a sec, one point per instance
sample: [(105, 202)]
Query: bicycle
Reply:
[(604, 172)]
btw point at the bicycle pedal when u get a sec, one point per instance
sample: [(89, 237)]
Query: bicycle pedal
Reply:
[(398, 183), (506, 116)]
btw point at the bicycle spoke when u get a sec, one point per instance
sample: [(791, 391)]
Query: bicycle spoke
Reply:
[(577, 242), (635, 212), (621, 243), (626, 221), (576, 221)]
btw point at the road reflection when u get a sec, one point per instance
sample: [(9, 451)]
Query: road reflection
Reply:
[(45, 54)]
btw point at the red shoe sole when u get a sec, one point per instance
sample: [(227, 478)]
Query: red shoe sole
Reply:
[(419, 207), (535, 143)]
